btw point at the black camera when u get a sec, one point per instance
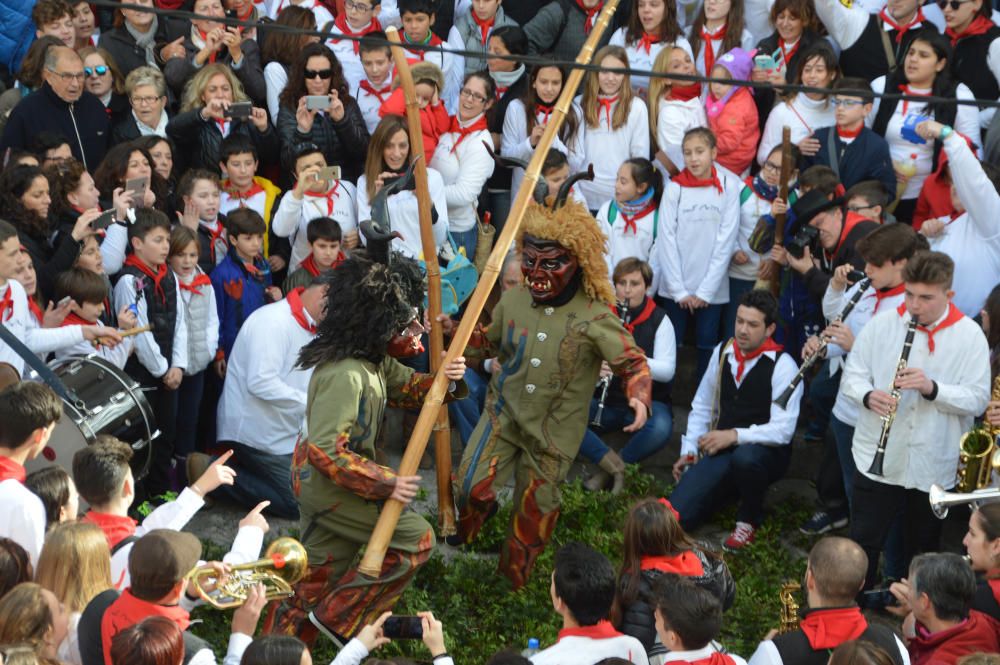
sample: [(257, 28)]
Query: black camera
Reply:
[(804, 237)]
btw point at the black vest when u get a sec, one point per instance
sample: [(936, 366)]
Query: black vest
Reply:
[(794, 647), (750, 403), (192, 645), (970, 56), (645, 338), (162, 316), (866, 59)]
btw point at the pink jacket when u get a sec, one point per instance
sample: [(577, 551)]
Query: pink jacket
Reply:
[(737, 132)]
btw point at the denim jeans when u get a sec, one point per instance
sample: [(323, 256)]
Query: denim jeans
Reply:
[(737, 287), (467, 240), (653, 436), (706, 328), (464, 413), (260, 477), (743, 470)]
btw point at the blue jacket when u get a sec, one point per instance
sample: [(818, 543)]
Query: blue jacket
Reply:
[(238, 294), (17, 34), (865, 158)]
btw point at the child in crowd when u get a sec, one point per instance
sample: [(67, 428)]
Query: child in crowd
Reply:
[(869, 199), (199, 190), (632, 216), (29, 412), (242, 282), (688, 620), (732, 115), (615, 127), (474, 23), (314, 197), (582, 591), (718, 29), (428, 83), (656, 546), (359, 18), (555, 172), (54, 18), (651, 29), (418, 17), (25, 275), (324, 236), (675, 106), (161, 355), (242, 187), (372, 89), (699, 218), (54, 486), (88, 294), (201, 316), (105, 481), (84, 25)]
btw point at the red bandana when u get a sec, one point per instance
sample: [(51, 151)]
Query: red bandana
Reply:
[(606, 104), (685, 563), (129, 610), (708, 37), (715, 659), (901, 29), (979, 26), (294, 299), (217, 234), (309, 263), (222, 126), (685, 93), (35, 310), (741, 360), (850, 133), (201, 279), (431, 40), (646, 42), (74, 319), (243, 197), (686, 179), (11, 470), (456, 128), (788, 54), (954, 316), (378, 94), (888, 293), (647, 311), (905, 89), (329, 195), (7, 305), (341, 24), (591, 13), (826, 629), (116, 528), (211, 58), (602, 630), (543, 110), (484, 26), (630, 221), (157, 277)]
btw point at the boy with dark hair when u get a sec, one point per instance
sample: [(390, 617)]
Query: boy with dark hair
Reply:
[(54, 18), (324, 241), (29, 412), (199, 191), (160, 354), (688, 619), (242, 282), (868, 198), (242, 187), (88, 294), (359, 18), (582, 591), (418, 18), (374, 87)]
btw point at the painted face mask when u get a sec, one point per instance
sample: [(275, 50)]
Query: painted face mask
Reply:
[(407, 344), (549, 269)]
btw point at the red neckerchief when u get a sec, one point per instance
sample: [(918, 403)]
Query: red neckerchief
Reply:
[(7, 305), (685, 93), (116, 528), (686, 179), (294, 299), (715, 659), (686, 563), (601, 630), (851, 220), (430, 40), (741, 360), (329, 195), (74, 319), (201, 279), (606, 104), (709, 50), (789, 54), (309, 263), (484, 26), (979, 26), (254, 190), (248, 14), (646, 42), (901, 29), (850, 133), (591, 13), (905, 89), (954, 316), (341, 24), (456, 128), (545, 109), (35, 310), (630, 222), (157, 277), (378, 94), (128, 610), (647, 311), (218, 233), (11, 470), (221, 122), (828, 628), (888, 293), (204, 38)]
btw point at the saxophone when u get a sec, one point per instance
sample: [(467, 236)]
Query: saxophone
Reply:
[(789, 606), (978, 456)]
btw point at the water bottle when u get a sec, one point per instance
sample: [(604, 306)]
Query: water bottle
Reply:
[(532, 648)]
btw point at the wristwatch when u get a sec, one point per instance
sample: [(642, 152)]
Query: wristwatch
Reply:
[(945, 132)]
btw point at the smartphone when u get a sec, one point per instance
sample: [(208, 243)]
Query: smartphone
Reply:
[(403, 628), (106, 219), (239, 110), (879, 598), (855, 276), (765, 62), (317, 102), (138, 188), (63, 302), (329, 173)]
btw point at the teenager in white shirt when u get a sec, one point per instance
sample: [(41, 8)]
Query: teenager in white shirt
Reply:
[(375, 86), (631, 218), (615, 125), (675, 106), (360, 18), (719, 28), (652, 27)]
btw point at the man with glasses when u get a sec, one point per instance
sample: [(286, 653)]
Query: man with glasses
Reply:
[(61, 105), (853, 151)]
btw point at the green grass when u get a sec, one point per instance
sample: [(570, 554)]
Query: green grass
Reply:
[(481, 614)]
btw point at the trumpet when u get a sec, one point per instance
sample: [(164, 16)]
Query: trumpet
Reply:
[(622, 307), (285, 562), (978, 454), (896, 393), (941, 500)]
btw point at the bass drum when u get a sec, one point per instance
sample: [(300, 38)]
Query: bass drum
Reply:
[(105, 400)]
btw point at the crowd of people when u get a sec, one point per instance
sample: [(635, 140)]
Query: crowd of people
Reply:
[(213, 200)]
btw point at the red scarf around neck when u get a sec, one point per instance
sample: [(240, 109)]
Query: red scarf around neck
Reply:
[(234, 193), (602, 630), (954, 316), (543, 110), (116, 528), (157, 277), (850, 133), (686, 564), (204, 39), (7, 305), (484, 26), (685, 93), (74, 319), (881, 295), (979, 26), (901, 30), (591, 13), (646, 42), (35, 310), (827, 629), (741, 359), (606, 103), (216, 235), (329, 195), (788, 54), (687, 179), (456, 128), (11, 470), (201, 279), (708, 38), (379, 94), (341, 24), (294, 299), (905, 89), (309, 263), (631, 220)]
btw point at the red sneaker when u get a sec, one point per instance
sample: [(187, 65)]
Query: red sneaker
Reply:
[(741, 536)]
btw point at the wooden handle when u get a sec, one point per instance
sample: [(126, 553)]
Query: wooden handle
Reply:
[(131, 332), (772, 268)]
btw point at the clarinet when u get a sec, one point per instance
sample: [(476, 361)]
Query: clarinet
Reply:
[(810, 360), (623, 315), (887, 420)]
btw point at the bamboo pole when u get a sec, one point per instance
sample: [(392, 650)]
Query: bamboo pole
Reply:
[(371, 563), (442, 429), (770, 273)]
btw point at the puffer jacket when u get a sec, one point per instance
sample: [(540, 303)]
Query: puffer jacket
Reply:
[(637, 617), (17, 34), (199, 141), (344, 143)]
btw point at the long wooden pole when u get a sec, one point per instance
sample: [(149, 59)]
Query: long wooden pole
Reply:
[(442, 430), (770, 272), (371, 564)]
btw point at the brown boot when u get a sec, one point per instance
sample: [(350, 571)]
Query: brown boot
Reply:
[(611, 467)]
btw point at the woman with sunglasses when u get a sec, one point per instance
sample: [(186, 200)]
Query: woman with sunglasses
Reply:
[(974, 40), (337, 128), (104, 80)]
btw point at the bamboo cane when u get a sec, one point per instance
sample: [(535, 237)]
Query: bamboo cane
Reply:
[(770, 274), (371, 564), (442, 430)]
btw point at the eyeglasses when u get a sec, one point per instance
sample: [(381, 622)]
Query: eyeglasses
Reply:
[(846, 103), (142, 101), (773, 168), (99, 70), (857, 208), (474, 96), (68, 76), (319, 73), (954, 4), (358, 6)]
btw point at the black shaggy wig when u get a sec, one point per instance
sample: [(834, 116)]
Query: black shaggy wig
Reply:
[(367, 304)]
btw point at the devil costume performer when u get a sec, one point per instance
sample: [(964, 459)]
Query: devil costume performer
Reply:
[(549, 337)]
